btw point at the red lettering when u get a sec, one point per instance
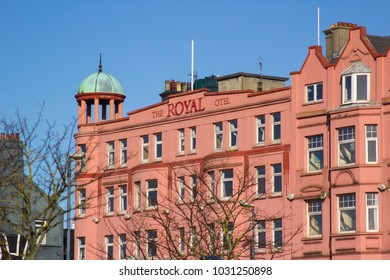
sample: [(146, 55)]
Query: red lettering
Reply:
[(170, 110), (200, 105), (177, 112), (187, 106)]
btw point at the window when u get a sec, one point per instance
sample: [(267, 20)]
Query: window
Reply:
[(233, 133), (260, 123), (123, 152), (347, 145), (193, 139), (260, 180), (111, 154), (227, 183), (137, 244), (41, 230), (314, 92), (218, 136), (314, 217), (123, 198), (315, 153), (181, 239), (211, 238), (181, 141), (145, 148), (110, 200), (347, 213), (151, 243), (137, 202), (194, 239), (277, 236), (151, 186), (277, 178), (227, 236), (356, 83), (372, 211), (371, 143), (211, 175), (158, 146), (181, 188), (261, 235), (122, 247), (276, 129), (83, 161), (194, 186), (109, 247), (81, 248), (82, 202)]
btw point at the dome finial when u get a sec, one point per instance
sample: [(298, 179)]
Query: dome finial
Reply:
[(100, 64)]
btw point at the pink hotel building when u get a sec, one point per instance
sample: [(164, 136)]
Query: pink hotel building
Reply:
[(256, 170)]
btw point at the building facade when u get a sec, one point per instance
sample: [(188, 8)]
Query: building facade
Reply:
[(247, 172)]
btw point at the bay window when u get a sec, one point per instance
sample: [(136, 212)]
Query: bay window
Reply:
[(356, 83)]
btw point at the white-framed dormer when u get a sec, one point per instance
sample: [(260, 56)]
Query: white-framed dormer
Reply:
[(355, 83)]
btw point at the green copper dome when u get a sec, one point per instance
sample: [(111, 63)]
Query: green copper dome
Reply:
[(100, 82)]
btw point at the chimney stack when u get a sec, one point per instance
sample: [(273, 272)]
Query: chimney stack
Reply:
[(336, 38)]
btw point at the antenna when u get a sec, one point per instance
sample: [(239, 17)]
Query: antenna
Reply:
[(260, 85), (318, 25), (100, 64), (192, 65)]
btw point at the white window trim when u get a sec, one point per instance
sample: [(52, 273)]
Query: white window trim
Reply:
[(216, 133), (111, 154), (109, 245), (259, 177), (122, 243), (149, 190), (82, 202), (137, 244), (274, 123), (182, 235), (354, 88), (233, 130), (274, 230), (123, 198), (345, 208), (368, 139), (148, 240), (123, 159), (81, 248), (193, 139), (309, 150), (258, 230), (38, 224), (260, 126), (194, 186), (182, 142), (314, 213), (274, 174), (156, 144), (377, 212), (110, 198), (143, 146), (346, 142), (223, 180), (212, 184), (315, 93), (137, 197), (181, 188)]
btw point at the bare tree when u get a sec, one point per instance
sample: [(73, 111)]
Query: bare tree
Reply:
[(35, 181), (191, 220)]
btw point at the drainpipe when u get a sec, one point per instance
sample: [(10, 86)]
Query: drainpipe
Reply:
[(330, 185)]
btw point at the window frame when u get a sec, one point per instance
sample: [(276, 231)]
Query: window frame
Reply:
[(261, 230), (181, 134), (182, 235), (194, 186), (181, 188), (372, 207), (110, 200), (111, 154), (225, 180), (347, 141), (109, 247), (315, 145), (82, 202), (276, 230), (212, 184), (345, 209), (145, 148), (260, 126), (261, 181), (354, 82), (122, 247), (122, 198), (193, 139), (276, 127), (218, 136), (277, 174), (158, 146), (233, 134), (137, 197), (316, 94), (370, 138), (150, 189), (83, 160), (314, 211), (123, 152), (227, 238), (81, 248), (38, 223), (151, 240)]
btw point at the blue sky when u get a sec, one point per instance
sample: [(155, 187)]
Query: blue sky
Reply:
[(48, 47)]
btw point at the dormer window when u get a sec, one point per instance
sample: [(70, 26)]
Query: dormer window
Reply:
[(356, 84)]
